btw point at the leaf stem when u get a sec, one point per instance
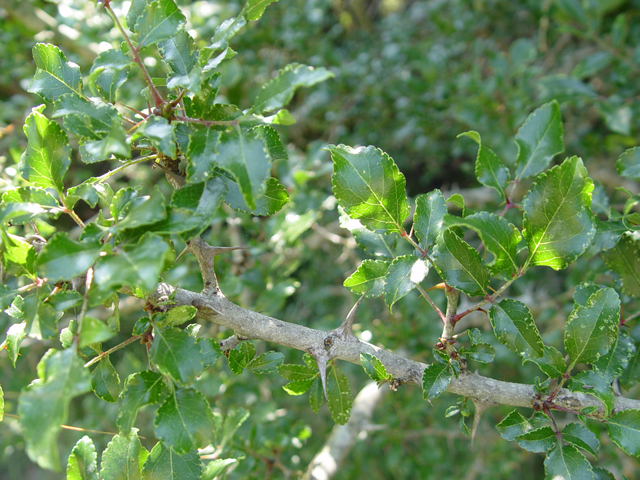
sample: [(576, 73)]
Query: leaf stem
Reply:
[(104, 177), (488, 298), (111, 350), (431, 302)]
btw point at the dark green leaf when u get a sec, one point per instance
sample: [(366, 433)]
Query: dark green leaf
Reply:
[(43, 405), (402, 276), (369, 186), (1, 404), (339, 398), (159, 131), (376, 244), (232, 422), (429, 216), (624, 431), (268, 362), (202, 154), (316, 395), (591, 383), (63, 258), (87, 118), (583, 291), (580, 436), (105, 381), (41, 318), (552, 362), (176, 353), (374, 367), (297, 372), (515, 328), (269, 203), (55, 75), (160, 20), (164, 463), (623, 260), (271, 141), (490, 171), (82, 464), (369, 277), (435, 379), (210, 350), (181, 54), (459, 264), (557, 221), (611, 365), (631, 375), (513, 425), (602, 474), (109, 71), (628, 164), (567, 463), (480, 352), (123, 458), (16, 255), (140, 389), (538, 440)]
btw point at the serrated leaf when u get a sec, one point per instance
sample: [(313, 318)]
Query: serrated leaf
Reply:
[(435, 379), (459, 264), (611, 365), (538, 440), (54, 75), (515, 328), (46, 158), (105, 381), (513, 425), (34, 195), (184, 421), (164, 463), (298, 387), (181, 54), (592, 329), (602, 474), (594, 384), (270, 202), (176, 316), (369, 186), (624, 431), (85, 117), (402, 276), (202, 153), (374, 367), (140, 389), (567, 463), (175, 353), (15, 334), (16, 255), (278, 92), (376, 244), (480, 352), (557, 222), (429, 217), (159, 132), (490, 171), (552, 363), (628, 164), (623, 260), (580, 436), (160, 20), (297, 372), (123, 458), (539, 139), (63, 258), (240, 357), (339, 398), (268, 362), (82, 463), (109, 71), (43, 405), (369, 277)]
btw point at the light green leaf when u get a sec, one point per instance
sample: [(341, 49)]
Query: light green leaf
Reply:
[(34, 195), (43, 405), (567, 463), (297, 372), (181, 54), (46, 158), (1, 404), (538, 440), (278, 92), (216, 467), (628, 164), (298, 387), (87, 118), (592, 329), (109, 71), (459, 264), (369, 277), (15, 334), (369, 186), (557, 222), (623, 260), (270, 202), (202, 154), (160, 133), (176, 316), (140, 389), (402, 276), (374, 367), (82, 464), (93, 330), (160, 20), (175, 353), (490, 171), (184, 421), (339, 398), (164, 463), (428, 219), (515, 328), (513, 425), (254, 9), (123, 458), (580, 436), (435, 379), (54, 75), (63, 258), (240, 357), (266, 363), (624, 431), (105, 381), (16, 255)]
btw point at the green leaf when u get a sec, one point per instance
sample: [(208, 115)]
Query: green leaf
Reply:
[(538, 440), (369, 277), (140, 389), (435, 379), (266, 363), (297, 372), (594, 384), (232, 421), (513, 425), (86, 118), (164, 463), (43, 405), (602, 474), (539, 139), (176, 353), (1, 404), (490, 171), (109, 71), (202, 154), (631, 375), (499, 236), (429, 217), (254, 9), (35, 195), (339, 398), (592, 329), (184, 421), (15, 334), (54, 76), (181, 54), (402, 276), (123, 458), (270, 202), (628, 164), (480, 352), (278, 92), (611, 365), (46, 158), (298, 387), (240, 358), (515, 328), (82, 464), (580, 436), (624, 431), (14, 252), (567, 463), (216, 467), (160, 20), (374, 367), (176, 316), (557, 222), (93, 330), (105, 381), (368, 185), (623, 260), (551, 363), (459, 264), (63, 258), (159, 131), (316, 395)]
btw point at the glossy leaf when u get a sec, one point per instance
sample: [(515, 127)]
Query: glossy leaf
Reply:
[(55, 75), (539, 139), (402, 276), (369, 277), (43, 405), (63, 258), (513, 425), (368, 185), (265, 363), (552, 362), (184, 421), (180, 53), (428, 219), (15, 253), (490, 171), (459, 264), (254, 9), (622, 259), (594, 384), (339, 398), (628, 164), (159, 132), (160, 20), (592, 329), (201, 202), (316, 395), (202, 154), (164, 463), (82, 464), (515, 328), (374, 367), (566, 462), (34, 195), (270, 202), (15, 334), (557, 222), (175, 353), (109, 71), (435, 379), (581, 437), (624, 431), (140, 389), (105, 381), (538, 440), (611, 365), (480, 352), (123, 458), (297, 372)]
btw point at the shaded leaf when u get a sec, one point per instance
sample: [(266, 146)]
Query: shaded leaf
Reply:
[(551, 363), (624, 431), (105, 381), (428, 219), (435, 379), (566, 462), (93, 330), (270, 202), (402, 275), (628, 164), (374, 367), (611, 365), (490, 171), (513, 425), (239, 358), (181, 54), (339, 398), (140, 389), (515, 328), (268, 362), (63, 258), (580, 436), (159, 131), (591, 383), (109, 71), (164, 463), (538, 440), (623, 260), (480, 352), (175, 353), (160, 20)]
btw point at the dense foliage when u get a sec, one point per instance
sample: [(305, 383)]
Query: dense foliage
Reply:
[(160, 136)]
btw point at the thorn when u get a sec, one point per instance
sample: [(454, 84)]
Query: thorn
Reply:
[(346, 326), (186, 249), (321, 358), (480, 407)]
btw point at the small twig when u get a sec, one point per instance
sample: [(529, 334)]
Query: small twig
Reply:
[(111, 350)]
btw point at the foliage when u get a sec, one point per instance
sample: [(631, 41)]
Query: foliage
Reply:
[(89, 222)]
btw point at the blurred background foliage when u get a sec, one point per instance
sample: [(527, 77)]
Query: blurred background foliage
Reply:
[(410, 76)]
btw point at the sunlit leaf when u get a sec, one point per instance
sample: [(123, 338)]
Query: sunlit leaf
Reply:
[(54, 75), (164, 463), (428, 219), (339, 398), (140, 389), (402, 276), (567, 463), (490, 171), (160, 20), (515, 328), (369, 277), (82, 463), (435, 379), (175, 353), (374, 367), (123, 458)]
